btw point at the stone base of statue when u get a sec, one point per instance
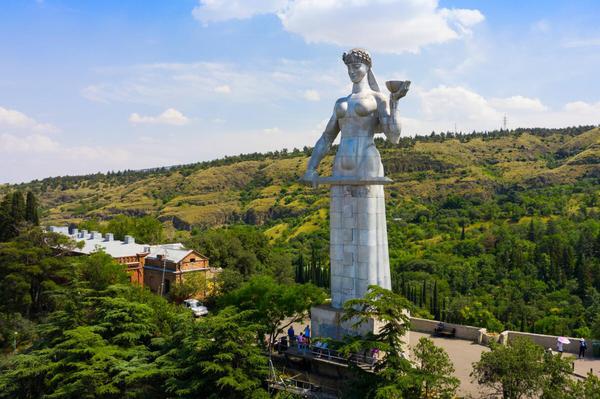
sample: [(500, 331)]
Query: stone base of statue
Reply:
[(326, 321), (358, 240)]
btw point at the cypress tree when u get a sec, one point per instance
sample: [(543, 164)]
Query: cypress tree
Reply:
[(31, 211), (531, 234), (17, 208), (436, 304)]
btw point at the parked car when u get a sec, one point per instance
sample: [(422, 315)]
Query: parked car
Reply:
[(196, 306)]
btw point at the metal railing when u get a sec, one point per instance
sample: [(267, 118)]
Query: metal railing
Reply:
[(332, 355)]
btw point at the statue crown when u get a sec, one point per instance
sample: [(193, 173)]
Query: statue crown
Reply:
[(357, 55)]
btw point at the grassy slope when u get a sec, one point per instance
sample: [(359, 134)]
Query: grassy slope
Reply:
[(267, 190)]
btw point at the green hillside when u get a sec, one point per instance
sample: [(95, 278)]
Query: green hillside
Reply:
[(499, 230), (264, 188)]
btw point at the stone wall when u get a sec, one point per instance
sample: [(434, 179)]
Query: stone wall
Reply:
[(481, 336), (470, 333), (548, 341)]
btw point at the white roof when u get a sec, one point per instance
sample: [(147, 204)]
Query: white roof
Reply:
[(172, 254), (94, 241)]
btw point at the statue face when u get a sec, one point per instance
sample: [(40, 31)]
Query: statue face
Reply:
[(357, 71)]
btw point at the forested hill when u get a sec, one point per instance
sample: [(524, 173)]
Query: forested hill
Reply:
[(497, 230), (264, 188)]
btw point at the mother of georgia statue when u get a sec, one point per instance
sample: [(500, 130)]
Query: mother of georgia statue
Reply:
[(358, 237)]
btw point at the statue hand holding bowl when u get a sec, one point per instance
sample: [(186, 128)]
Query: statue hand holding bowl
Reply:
[(397, 88)]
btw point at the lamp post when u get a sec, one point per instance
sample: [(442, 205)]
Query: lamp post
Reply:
[(15, 342)]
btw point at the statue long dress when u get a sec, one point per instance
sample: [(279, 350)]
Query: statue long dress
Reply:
[(358, 236)]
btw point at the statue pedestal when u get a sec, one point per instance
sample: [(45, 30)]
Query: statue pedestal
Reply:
[(326, 322)]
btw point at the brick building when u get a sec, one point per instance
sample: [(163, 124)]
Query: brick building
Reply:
[(174, 263), (146, 264)]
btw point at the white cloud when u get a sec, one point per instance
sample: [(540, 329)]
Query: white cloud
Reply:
[(458, 105), (221, 10), (442, 108), (312, 95), (272, 130), (518, 103), (14, 119), (33, 143), (391, 26), (169, 117), (585, 42), (223, 89), (582, 107), (157, 84)]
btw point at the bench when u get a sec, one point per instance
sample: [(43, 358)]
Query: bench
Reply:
[(444, 331)]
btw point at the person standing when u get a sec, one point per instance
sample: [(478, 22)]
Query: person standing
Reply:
[(559, 346), (301, 341), (307, 335), (291, 335), (582, 348)]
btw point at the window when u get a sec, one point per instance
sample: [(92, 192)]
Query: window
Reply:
[(192, 259), (167, 286)]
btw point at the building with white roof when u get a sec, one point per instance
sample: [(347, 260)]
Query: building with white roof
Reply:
[(158, 267)]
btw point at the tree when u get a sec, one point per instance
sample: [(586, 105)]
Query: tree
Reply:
[(192, 285), (100, 270), (17, 208), (275, 306), (435, 370), (218, 359), (31, 209), (521, 369), (32, 266), (394, 375)]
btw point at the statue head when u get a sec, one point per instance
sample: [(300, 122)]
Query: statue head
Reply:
[(359, 63)]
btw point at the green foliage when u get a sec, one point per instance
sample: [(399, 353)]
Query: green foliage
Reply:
[(219, 359), (100, 270), (245, 250), (30, 269), (145, 229), (193, 285), (435, 370), (394, 375), (274, 303), (523, 369), (16, 214)]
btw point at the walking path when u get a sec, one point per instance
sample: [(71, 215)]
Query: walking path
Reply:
[(464, 353)]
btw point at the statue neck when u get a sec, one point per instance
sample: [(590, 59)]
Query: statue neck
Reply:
[(363, 85)]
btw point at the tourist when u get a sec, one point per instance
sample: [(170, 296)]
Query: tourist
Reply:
[(559, 346), (301, 341), (307, 335), (291, 335), (582, 348)]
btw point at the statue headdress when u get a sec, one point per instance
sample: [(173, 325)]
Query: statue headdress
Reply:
[(359, 55)]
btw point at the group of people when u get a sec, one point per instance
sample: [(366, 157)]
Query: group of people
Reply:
[(582, 347), (302, 339)]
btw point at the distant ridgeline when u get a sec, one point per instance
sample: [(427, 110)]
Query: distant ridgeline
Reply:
[(261, 188)]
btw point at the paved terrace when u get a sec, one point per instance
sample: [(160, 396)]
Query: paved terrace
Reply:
[(464, 353)]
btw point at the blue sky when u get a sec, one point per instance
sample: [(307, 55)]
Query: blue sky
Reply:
[(110, 85)]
